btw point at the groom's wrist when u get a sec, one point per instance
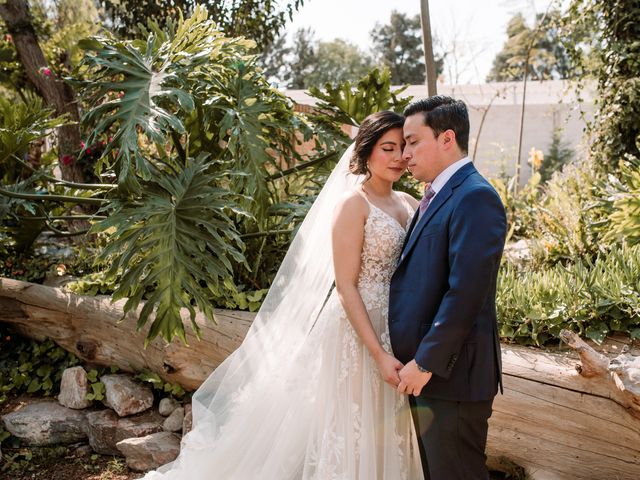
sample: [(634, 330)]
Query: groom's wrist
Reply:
[(423, 370)]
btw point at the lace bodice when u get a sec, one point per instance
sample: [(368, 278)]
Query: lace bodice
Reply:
[(383, 239)]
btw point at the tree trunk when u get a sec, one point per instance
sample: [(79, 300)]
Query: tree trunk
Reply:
[(554, 421), (427, 43), (56, 93)]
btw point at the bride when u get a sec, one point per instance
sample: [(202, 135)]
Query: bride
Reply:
[(310, 392)]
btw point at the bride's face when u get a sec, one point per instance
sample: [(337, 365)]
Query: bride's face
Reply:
[(385, 161)]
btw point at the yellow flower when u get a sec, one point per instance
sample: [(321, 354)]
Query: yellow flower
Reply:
[(535, 158)]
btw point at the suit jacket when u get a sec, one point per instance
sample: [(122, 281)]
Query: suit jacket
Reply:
[(442, 299)]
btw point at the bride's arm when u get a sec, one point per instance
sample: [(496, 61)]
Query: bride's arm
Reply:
[(347, 240)]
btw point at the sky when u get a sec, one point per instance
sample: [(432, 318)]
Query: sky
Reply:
[(473, 30)]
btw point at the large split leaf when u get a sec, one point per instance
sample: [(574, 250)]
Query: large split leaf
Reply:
[(176, 244)]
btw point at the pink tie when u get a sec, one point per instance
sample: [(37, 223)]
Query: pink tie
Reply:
[(428, 195)]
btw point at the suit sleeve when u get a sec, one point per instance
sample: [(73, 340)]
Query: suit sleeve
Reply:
[(477, 233)]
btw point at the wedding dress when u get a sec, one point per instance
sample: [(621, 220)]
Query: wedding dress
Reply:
[(315, 408)]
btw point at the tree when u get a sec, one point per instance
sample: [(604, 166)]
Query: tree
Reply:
[(259, 20), (558, 156), (47, 81), (274, 59), (303, 59), (338, 61), (308, 62), (398, 46), (548, 58)]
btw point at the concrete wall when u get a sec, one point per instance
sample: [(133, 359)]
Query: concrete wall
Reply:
[(549, 105)]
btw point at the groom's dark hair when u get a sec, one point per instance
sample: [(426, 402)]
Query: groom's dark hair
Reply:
[(442, 113)]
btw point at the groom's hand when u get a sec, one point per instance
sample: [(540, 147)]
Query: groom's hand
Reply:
[(412, 380)]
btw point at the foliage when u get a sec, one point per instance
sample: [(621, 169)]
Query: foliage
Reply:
[(397, 46), (308, 62), (274, 59), (29, 366), (351, 104), (173, 389), (572, 215), (625, 217), (616, 130), (520, 205), (204, 153), (337, 61), (558, 155), (302, 60), (171, 240), (544, 44), (592, 298), (58, 26), (259, 20)]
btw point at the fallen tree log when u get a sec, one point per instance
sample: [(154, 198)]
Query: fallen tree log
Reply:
[(90, 327), (554, 421)]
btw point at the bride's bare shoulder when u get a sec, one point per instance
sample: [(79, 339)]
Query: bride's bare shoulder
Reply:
[(351, 205)]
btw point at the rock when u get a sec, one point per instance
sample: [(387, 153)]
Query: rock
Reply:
[(74, 388), (46, 423), (146, 453), (187, 423), (105, 429), (83, 451), (126, 396), (519, 253), (173, 423), (167, 405)]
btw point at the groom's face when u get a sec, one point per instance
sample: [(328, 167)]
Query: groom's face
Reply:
[(421, 150)]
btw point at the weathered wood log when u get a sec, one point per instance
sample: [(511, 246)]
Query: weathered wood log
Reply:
[(553, 420), (90, 328), (559, 424)]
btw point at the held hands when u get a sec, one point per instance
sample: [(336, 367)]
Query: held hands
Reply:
[(412, 380), (389, 367)]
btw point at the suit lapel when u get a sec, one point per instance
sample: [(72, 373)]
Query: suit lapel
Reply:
[(440, 199)]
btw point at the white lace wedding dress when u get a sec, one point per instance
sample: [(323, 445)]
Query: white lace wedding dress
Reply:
[(326, 414)]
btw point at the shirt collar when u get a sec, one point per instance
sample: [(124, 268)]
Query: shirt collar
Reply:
[(447, 173)]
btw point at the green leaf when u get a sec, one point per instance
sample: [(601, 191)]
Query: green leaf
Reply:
[(180, 237)]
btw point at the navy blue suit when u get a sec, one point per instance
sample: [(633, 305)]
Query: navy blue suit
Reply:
[(442, 300)]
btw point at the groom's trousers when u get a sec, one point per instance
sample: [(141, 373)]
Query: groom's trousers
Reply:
[(452, 437)]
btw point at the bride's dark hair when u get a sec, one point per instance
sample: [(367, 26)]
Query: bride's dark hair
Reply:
[(371, 129)]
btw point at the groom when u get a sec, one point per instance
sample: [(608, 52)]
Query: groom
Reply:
[(442, 313)]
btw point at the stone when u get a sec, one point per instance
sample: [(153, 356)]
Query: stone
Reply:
[(173, 422), (105, 429), (187, 423), (46, 423), (126, 396), (152, 451), (74, 388), (167, 405)]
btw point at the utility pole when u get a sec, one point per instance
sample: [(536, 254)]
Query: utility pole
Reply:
[(427, 42)]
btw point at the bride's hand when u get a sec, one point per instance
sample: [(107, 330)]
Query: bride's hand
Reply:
[(389, 367)]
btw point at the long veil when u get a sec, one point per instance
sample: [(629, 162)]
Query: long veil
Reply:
[(230, 406)]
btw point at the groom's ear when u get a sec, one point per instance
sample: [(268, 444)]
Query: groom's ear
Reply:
[(449, 139)]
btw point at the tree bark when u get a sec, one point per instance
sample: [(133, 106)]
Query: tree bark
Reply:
[(427, 43), (56, 93), (554, 421)]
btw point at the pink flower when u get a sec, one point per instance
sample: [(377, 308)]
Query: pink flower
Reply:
[(110, 139), (81, 144), (88, 150), (121, 94), (67, 160), (8, 37), (46, 71)]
